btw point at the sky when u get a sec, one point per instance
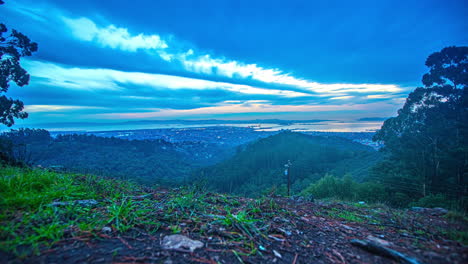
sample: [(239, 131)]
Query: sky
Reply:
[(107, 61)]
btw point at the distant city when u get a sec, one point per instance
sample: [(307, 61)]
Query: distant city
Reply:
[(229, 136)]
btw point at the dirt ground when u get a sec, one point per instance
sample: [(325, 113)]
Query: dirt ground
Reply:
[(276, 230)]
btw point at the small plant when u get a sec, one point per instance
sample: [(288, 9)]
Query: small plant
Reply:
[(457, 235), (351, 217), (457, 216), (175, 229), (122, 214), (420, 232), (189, 199), (346, 215), (242, 222)]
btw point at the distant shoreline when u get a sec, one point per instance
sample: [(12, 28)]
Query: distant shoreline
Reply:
[(257, 125)]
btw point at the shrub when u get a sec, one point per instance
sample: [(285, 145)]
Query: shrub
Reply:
[(432, 201), (371, 192), (399, 199), (346, 189)]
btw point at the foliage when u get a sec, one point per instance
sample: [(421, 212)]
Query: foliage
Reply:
[(345, 189), (427, 143), (24, 188), (12, 48), (144, 161), (124, 214), (247, 226), (450, 65), (28, 219), (437, 200), (260, 165), (23, 146)]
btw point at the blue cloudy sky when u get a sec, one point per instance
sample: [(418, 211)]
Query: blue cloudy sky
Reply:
[(132, 60)]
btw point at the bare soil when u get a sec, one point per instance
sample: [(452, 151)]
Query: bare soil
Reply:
[(278, 230)]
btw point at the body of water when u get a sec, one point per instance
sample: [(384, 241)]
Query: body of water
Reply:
[(322, 126)]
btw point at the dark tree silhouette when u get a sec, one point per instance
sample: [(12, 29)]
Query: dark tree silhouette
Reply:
[(12, 48), (450, 64), (427, 141)]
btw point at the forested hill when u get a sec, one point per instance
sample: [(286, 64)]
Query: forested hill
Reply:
[(143, 161), (259, 166)]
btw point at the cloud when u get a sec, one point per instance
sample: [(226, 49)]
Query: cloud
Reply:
[(114, 80), (190, 59), (201, 63), (54, 108), (379, 96), (252, 107), (36, 13), (342, 97), (115, 94), (112, 36), (216, 85), (207, 65)]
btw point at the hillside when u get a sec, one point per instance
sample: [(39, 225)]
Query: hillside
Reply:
[(48, 217), (259, 166), (143, 161)]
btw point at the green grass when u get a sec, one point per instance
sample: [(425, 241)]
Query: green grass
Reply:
[(28, 189), (348, 216), (457, 235), (457, 216), (30, 224), (124, 214), (29, 221)]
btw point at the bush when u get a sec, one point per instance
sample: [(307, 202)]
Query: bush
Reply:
[(326, 187), (432, 201), (371, 192), (346, 189), (399, 199)]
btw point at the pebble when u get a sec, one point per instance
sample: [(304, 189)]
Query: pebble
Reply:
[(106, 229), (277, 254), (180, 241)]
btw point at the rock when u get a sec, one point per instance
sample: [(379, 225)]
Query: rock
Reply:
[(300, 199), (438, 211), (286, 232), (417, 209), (347, 227), (86, 202), (433, 255), (106, 229), (276, 238), (78, 202), (379, 241), (180, 242), (309, 198), (141, 197), (277, 254)]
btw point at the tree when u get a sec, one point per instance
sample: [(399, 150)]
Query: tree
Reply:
[(428, 137), (12, 48), (449, 65)]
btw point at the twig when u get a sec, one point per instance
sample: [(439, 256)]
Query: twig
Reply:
[(383, 251), (125, 242), (339, 255), (295, 258), (204, 260)]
